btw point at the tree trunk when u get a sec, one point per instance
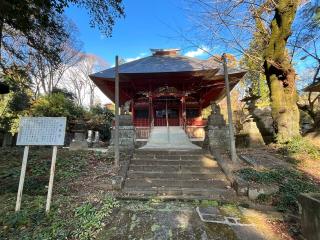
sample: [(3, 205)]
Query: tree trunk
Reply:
[(280, 74), (1, 31)]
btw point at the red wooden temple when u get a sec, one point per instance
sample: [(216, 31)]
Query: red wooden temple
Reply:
[(167, 88)]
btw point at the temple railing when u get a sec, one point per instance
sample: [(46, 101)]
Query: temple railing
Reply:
[(163, 122)]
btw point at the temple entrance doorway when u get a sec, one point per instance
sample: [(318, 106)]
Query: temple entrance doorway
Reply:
[(167, 111)]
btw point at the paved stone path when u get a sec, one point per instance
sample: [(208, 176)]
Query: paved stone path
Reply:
[(175, 220), (169, 138), (176, 174)]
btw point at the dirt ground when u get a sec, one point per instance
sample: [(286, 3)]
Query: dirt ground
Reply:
[(84, 178)]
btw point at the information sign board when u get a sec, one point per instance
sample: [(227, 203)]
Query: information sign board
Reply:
[(42, 131)]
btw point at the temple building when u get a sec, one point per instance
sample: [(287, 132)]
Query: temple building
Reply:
[(167, 89)]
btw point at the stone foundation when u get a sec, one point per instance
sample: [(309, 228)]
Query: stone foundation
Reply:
[(79, 142), (217, 131), (250, 135), (126, 135)]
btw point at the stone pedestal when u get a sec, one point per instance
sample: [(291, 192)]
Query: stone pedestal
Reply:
[(250, 134), (217, 131), (79, 142), (126, 135)]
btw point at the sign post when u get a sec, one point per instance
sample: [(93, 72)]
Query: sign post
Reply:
[(40, 131), (22, 176), (52, 169)]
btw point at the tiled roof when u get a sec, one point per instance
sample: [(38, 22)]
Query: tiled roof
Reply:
[(164, 64)]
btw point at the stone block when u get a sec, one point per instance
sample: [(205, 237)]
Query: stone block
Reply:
[(78, 145), (251, 134), (255, 190), (125, 120), (117, 182), (241, 186), (218, 138), (310, 218)]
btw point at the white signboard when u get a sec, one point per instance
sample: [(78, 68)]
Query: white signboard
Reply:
[(42, 131)]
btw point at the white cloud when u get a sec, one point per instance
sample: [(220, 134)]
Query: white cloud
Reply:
[(130, 59), (198, 52)]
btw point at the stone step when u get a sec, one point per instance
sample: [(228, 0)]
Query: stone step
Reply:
[(172, 157), (188, 176), (195, 163), (179, 193), (165, 183), (170, 152), (172, 169)]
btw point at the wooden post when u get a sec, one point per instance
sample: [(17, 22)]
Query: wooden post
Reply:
[(116, 130), (226, 79), (52, 170), (184, 114), (22, 176)]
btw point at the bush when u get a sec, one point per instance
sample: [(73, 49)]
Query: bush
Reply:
[(100, 119), (299, 145), (56, 105), (17, 102)]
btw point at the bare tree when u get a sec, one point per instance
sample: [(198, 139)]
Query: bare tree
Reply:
[(77, 78), (46, 72), (74, 84), (236, 24)]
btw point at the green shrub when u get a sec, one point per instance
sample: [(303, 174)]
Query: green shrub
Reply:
[(56, 105), (16, 103), (299, 145), (100, 119)]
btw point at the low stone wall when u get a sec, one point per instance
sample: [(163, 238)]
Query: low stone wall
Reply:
[(126, 136)]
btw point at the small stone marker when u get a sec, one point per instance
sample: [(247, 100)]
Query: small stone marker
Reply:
[(212, 215), (40, 131)]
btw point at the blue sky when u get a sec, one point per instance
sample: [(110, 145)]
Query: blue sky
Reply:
[(148, 24)]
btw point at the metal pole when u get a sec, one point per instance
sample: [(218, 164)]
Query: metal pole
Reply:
[(232, 141), (116, 130)]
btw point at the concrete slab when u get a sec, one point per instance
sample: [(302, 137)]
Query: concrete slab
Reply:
[(170, 220), (169, 138)]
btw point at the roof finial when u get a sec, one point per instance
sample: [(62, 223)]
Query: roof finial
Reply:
[(165, 52)]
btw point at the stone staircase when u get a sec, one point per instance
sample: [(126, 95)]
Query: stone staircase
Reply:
[(175, 174)]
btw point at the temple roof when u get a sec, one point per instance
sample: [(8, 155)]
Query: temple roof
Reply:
[(164, 64), (159, 64), (165, 67)]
